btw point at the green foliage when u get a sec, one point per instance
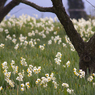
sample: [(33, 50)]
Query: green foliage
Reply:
[(38, 46)]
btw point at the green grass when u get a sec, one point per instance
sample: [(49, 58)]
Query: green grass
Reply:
[(44, 58)]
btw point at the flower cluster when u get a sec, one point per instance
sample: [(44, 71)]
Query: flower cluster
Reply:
[(2, 45), (56, 39), (67, 64), (7, 74), (32, 42), (46, 26), (25, 85), (58, 58), (34, 69), (80, 27), (29, 70), (15, 68), (44, 80), (39, 30), (20, 76), (42, 47), (23, 62), (70, 91), (81, 73), (91, 77), (37, 70), (69, 42)]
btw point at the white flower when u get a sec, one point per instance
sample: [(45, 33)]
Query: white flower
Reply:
[(38, 80), (41, 47), (22, 38), (65, 85), (14, 40), (4, 65), (29, 34), (52, 76), (22, 89), (55, 33), (55, 84), (57, 61), (68, 63), (15, 69), (47, 75), (6, 31), (9, 37), (23, 62), (37, 70), (1, 29), (1, 88), (7, 75), (94, 84), (90, 78), (31, 43), (93, 74), (22, 85), (74, 69), (75, 72), (2, 45), (27, 85), (50, 42), (20, 77), (58, 55), (64, 66), (11, 83), (64, 45), (82, 74), (70, 91), (16, 46), (49, 79)]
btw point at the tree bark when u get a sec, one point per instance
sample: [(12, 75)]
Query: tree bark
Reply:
[(75, 38), (85, 50), (6, 9), (2, 3)]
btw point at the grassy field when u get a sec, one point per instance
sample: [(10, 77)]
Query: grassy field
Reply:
[(37, 58)]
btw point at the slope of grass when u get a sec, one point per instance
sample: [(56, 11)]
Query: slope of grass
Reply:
[(30, 48)]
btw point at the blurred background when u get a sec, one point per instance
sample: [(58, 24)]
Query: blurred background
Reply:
[(25, 9)]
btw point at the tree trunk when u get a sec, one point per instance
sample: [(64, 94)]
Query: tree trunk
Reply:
[(85, 50), (4, 10), (2, 3), (87, 58)]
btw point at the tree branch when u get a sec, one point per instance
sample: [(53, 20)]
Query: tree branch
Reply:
[(39, 8), (74, 36), (90, 4), (2, 3), (7, 8)]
